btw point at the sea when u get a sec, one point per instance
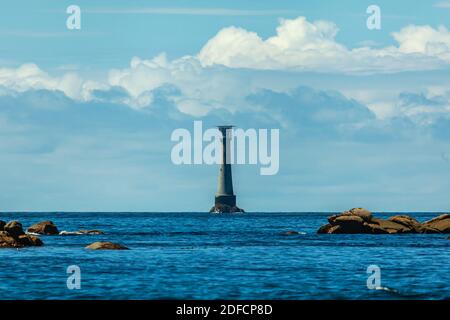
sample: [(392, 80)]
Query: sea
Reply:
[(206, 256)]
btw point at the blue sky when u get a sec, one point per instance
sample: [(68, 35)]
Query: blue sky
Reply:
[(113, 31), (86, 115)]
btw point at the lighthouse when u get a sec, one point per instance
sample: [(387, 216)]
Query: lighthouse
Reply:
[(225, 199)]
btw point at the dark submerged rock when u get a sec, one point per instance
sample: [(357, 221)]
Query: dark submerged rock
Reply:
[(81, 232), (290, 233), (325, 228), (106, 246), (95, 232)]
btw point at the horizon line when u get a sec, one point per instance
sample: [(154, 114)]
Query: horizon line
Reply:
[(108, 212)]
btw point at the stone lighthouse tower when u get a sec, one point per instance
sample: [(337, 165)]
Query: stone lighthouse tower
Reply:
[(225, 200)]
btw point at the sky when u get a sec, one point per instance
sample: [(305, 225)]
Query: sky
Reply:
[(86, 115)]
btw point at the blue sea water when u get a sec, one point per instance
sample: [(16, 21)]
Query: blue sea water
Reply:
[(203, 256)]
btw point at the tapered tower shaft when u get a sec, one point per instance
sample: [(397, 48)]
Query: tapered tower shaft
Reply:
[(225, 195)]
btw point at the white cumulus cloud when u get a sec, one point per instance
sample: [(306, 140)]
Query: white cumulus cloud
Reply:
[(30, 77), (303, 45), (201, 89), (211, 79), (424, 40)]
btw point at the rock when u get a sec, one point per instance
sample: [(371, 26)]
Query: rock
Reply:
[(406, 221), (325, 228), (290, 233), (361, 213), (404, 224), (348, 224), (438, 218), (427, 229), (14, 228), (336, 229), (2, 225), (28, 240), (94, 232), (14, 237), (391, 227), (44, 227), (80, 232), (410, 225), (223, 208), (352, 220), (448, 238), (106, 246), (374, 228), (69, 233), (359, 220), (441, 223), (8, 241), (365, 214), (350, 227)]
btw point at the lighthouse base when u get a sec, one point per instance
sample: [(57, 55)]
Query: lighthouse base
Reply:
[(223, 208), (229, 200), (225, 204)]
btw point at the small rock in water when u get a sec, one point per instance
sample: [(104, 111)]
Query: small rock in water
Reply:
[(2, 225), (80, 232), (290, 233), (69, 233), (43, 227), (96, 232), (106, 246)]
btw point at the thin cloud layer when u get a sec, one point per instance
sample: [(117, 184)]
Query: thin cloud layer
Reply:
[(114, 157)]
